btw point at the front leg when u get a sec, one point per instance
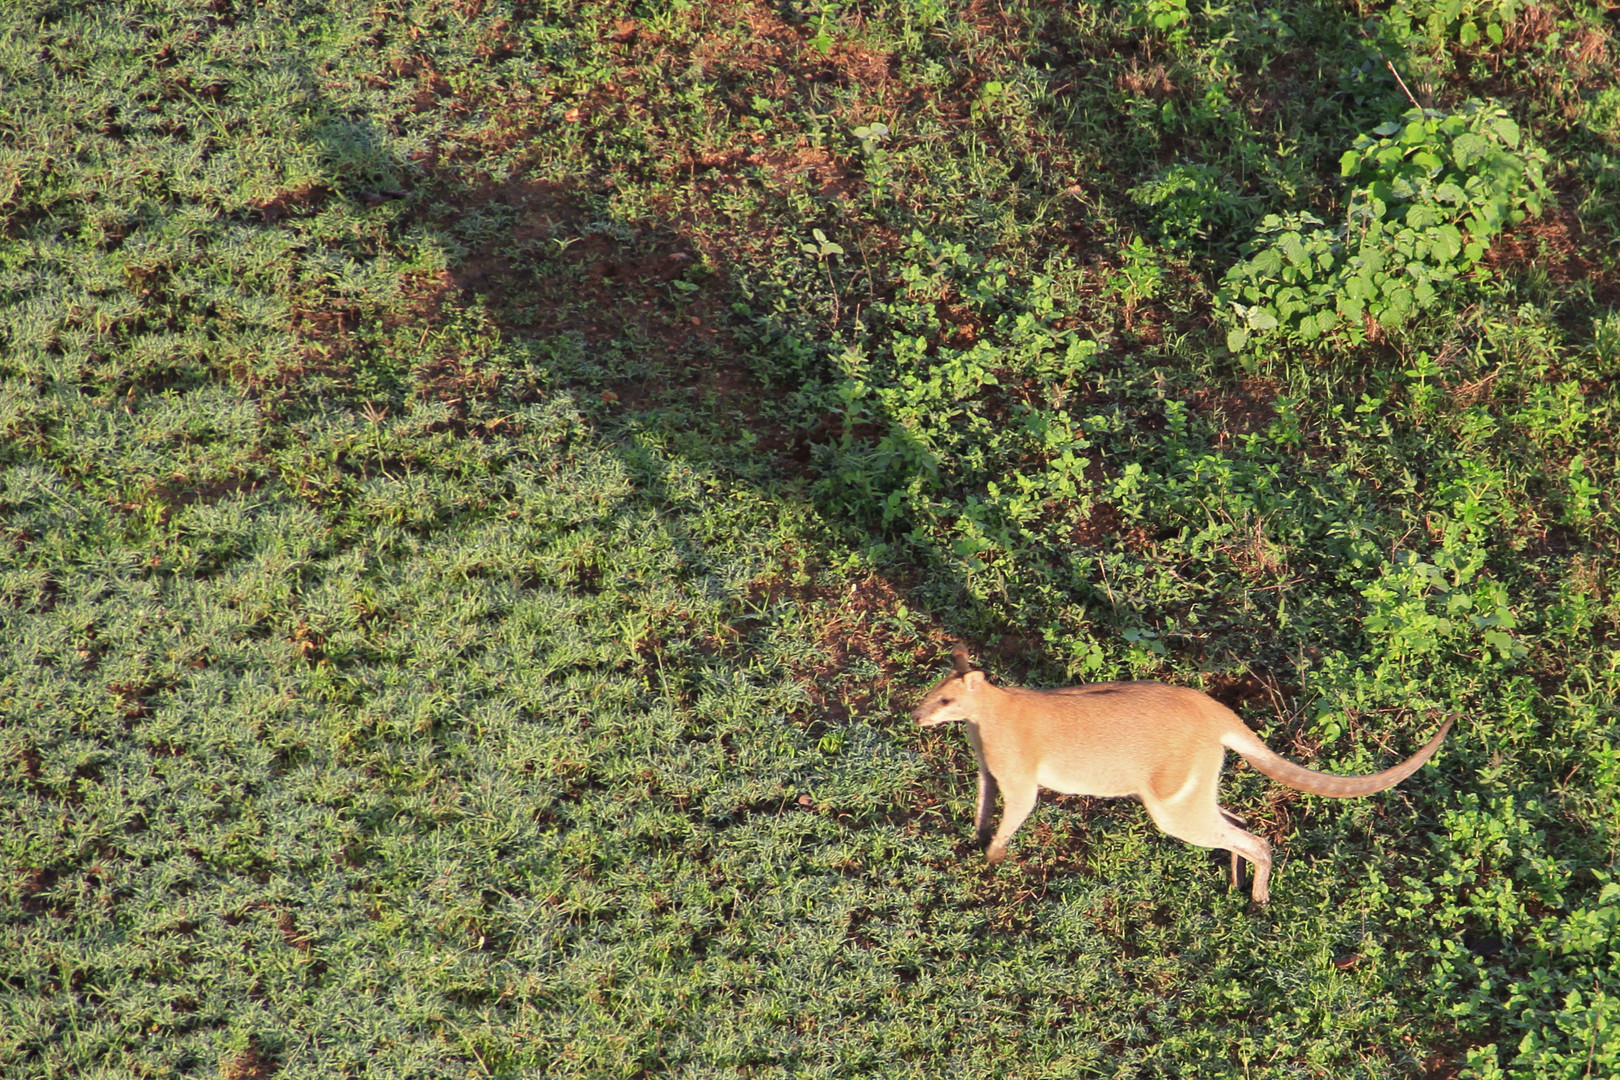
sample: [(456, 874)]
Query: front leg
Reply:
[(1018, 796), (987, 799), (987, 786)]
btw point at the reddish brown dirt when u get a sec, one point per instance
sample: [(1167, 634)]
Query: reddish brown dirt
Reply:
[(651, 288), (251, 1063), (37, 883), (848, 624), (1553, 242), (1106, 528)]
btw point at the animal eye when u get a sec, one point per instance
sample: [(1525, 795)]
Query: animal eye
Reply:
[(944, 701)]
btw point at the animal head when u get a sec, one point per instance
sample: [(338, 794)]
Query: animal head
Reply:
[(955, 697)]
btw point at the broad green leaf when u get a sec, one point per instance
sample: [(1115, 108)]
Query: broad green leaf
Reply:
[(1261, 319), (1267, 263), (1421, 216), (1467, 148), (1447, 241), (1398, 304), (1428, 160), (1291, 247)]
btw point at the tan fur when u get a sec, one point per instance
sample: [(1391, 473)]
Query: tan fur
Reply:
[(1164, 744)]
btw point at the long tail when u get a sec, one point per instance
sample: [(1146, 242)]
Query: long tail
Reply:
[(1284, 771)]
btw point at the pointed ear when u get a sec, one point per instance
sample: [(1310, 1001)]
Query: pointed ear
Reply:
[(959, 656), (973, 680)]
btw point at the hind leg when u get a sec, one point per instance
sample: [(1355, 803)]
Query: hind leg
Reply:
[(1237, 871), (1258, 852), (1203, 822)]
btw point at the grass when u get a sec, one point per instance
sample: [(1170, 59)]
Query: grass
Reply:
[(482, 484)]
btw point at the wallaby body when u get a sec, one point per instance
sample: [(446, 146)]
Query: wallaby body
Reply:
[(1164, 744)]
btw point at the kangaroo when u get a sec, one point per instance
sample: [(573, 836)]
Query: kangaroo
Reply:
[(1164, 744)]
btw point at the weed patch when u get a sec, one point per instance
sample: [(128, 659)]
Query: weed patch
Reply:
[(1427, 198)]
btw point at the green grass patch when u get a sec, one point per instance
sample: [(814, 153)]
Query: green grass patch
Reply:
[(483, 483)]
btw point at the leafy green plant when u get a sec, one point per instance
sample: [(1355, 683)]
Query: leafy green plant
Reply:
[(1140, 274), (1427, 194), (1606, 345), (1168, 17), (826, 15), (972, 479), (823, 248), (871, 136), (1601, 206), (990, 101), (1438, 23), (876, 157), (1191, 205)]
